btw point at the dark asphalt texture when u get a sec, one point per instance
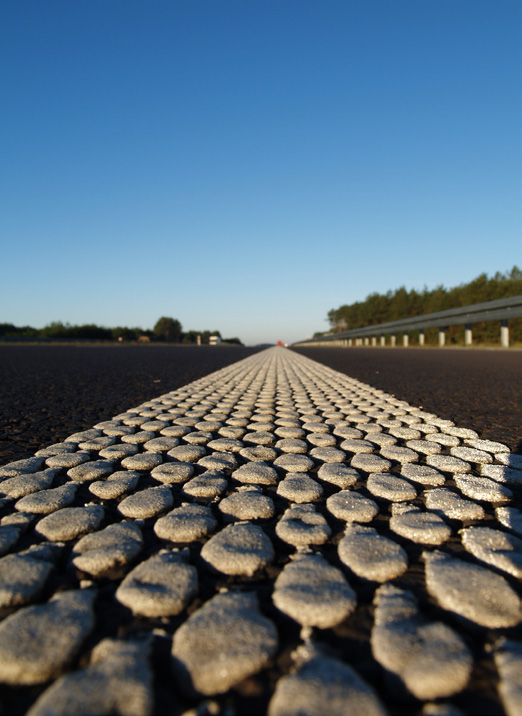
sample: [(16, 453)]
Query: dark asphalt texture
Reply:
[(476, 388), (48, 392)]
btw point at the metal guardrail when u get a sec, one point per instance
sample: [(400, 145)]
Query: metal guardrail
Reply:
[(500, 310)]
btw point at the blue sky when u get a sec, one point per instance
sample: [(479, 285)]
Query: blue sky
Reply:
[(247, 165)]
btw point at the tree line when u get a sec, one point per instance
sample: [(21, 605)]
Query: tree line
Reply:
[(166, 330), (401, 303)]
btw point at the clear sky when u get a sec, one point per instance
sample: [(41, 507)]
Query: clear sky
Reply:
[(247, 165)]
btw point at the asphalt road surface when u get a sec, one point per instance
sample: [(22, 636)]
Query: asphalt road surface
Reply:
[(476, 388), (48, 392)]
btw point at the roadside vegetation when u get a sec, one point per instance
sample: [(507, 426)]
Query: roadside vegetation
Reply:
[(401, 303), (166, 330)]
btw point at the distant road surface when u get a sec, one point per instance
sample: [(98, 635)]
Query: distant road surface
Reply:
[(49, 392), (477, 388)]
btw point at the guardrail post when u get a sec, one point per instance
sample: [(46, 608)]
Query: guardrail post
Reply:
[(421, 337), (383, 340), (468, 335), (374, 341), (504, 334), (393, 340), (350, 342), (366, 341), (405, 339), (442, 336)]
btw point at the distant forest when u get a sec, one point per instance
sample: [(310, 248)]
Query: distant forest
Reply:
[(401, 303), (166, 330)]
